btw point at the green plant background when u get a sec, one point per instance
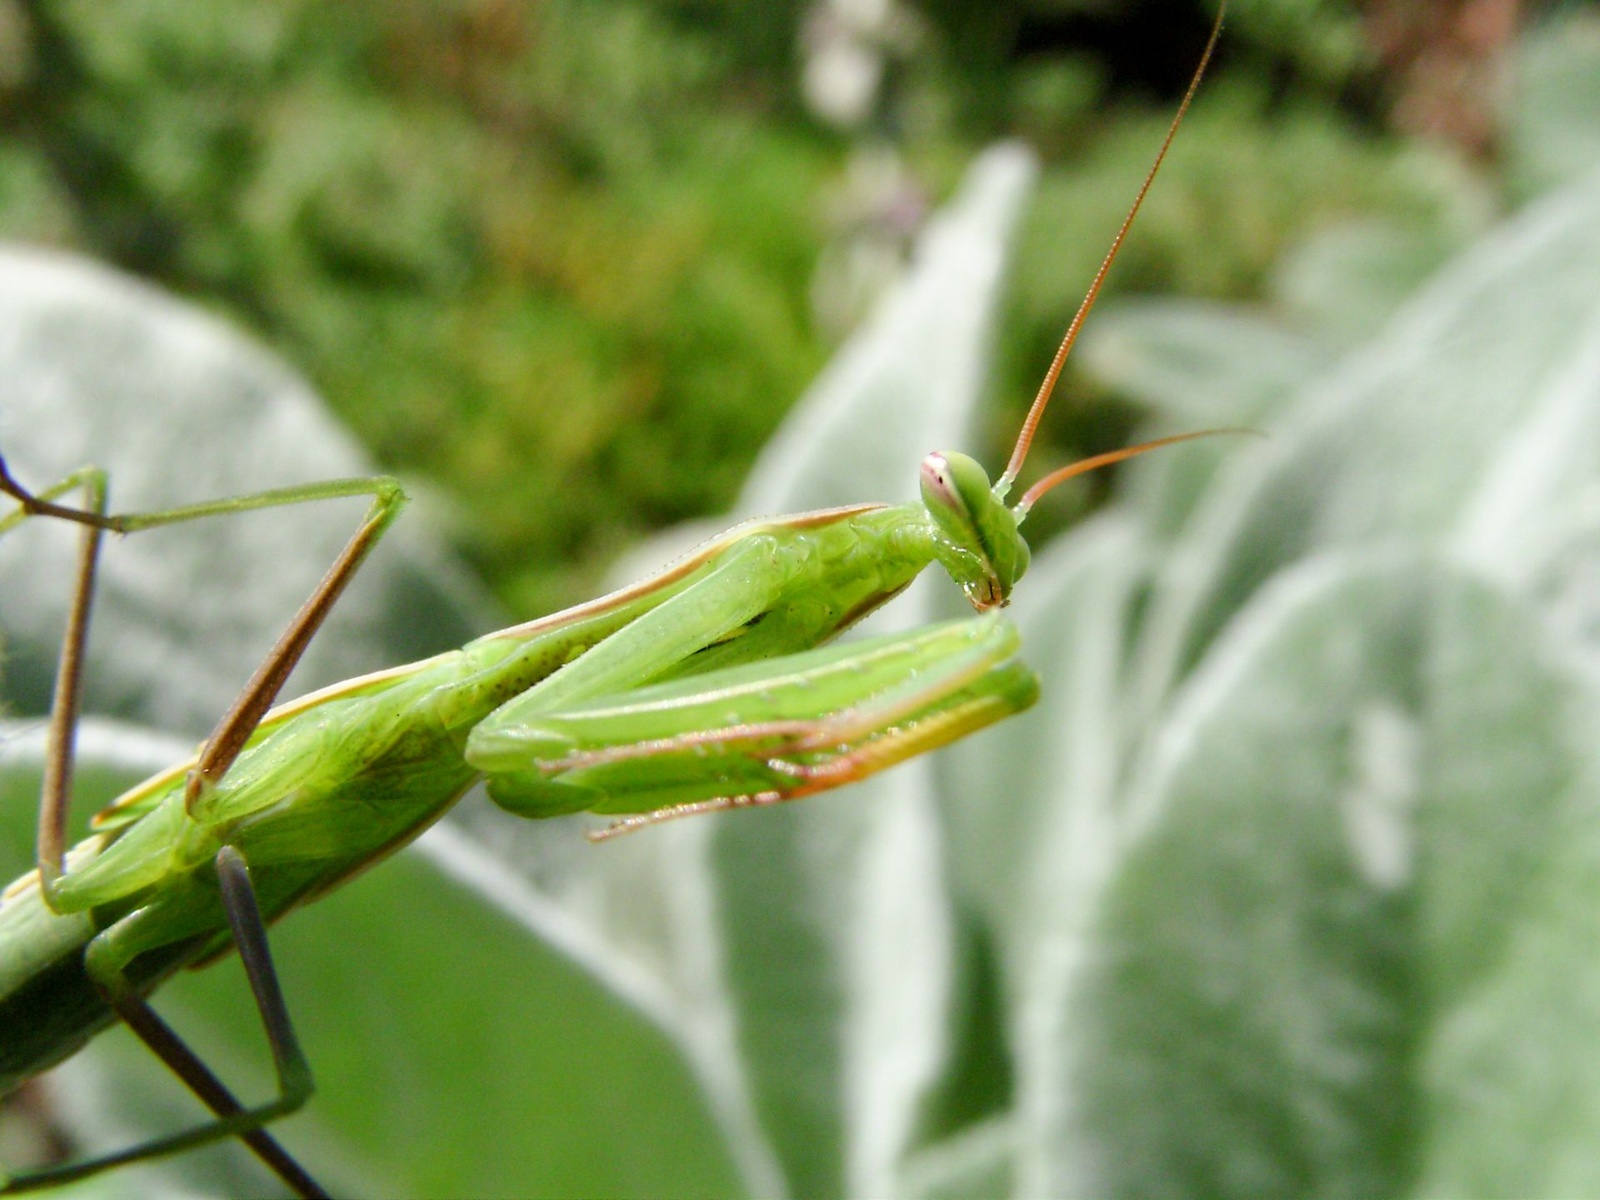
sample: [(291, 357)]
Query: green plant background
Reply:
[(1282, 887)]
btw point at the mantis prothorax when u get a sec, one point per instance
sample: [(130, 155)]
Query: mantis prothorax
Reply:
[(707, 686)]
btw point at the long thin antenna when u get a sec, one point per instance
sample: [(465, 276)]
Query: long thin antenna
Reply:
[(1030, 424), (1062, 474)]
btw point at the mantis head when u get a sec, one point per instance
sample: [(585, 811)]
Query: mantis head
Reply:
[(978, 542)]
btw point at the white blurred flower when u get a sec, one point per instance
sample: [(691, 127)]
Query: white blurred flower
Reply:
[(840, 80), (846, 46)]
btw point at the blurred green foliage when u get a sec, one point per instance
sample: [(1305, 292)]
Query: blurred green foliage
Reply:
[(554, 257), (535, 253)]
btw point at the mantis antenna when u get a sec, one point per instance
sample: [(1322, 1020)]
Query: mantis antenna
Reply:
[(1030, 424), (1062, 474)]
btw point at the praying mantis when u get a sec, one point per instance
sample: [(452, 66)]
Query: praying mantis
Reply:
[(708, 686)]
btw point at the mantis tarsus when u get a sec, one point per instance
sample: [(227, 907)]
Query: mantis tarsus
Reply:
[(701, 688)]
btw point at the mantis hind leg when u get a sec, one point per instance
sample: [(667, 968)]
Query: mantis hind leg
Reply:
[(56, 788), (257, 695), (114, 948), (146, 929)]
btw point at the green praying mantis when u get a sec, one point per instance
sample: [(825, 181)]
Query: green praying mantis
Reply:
[(705, 687)]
